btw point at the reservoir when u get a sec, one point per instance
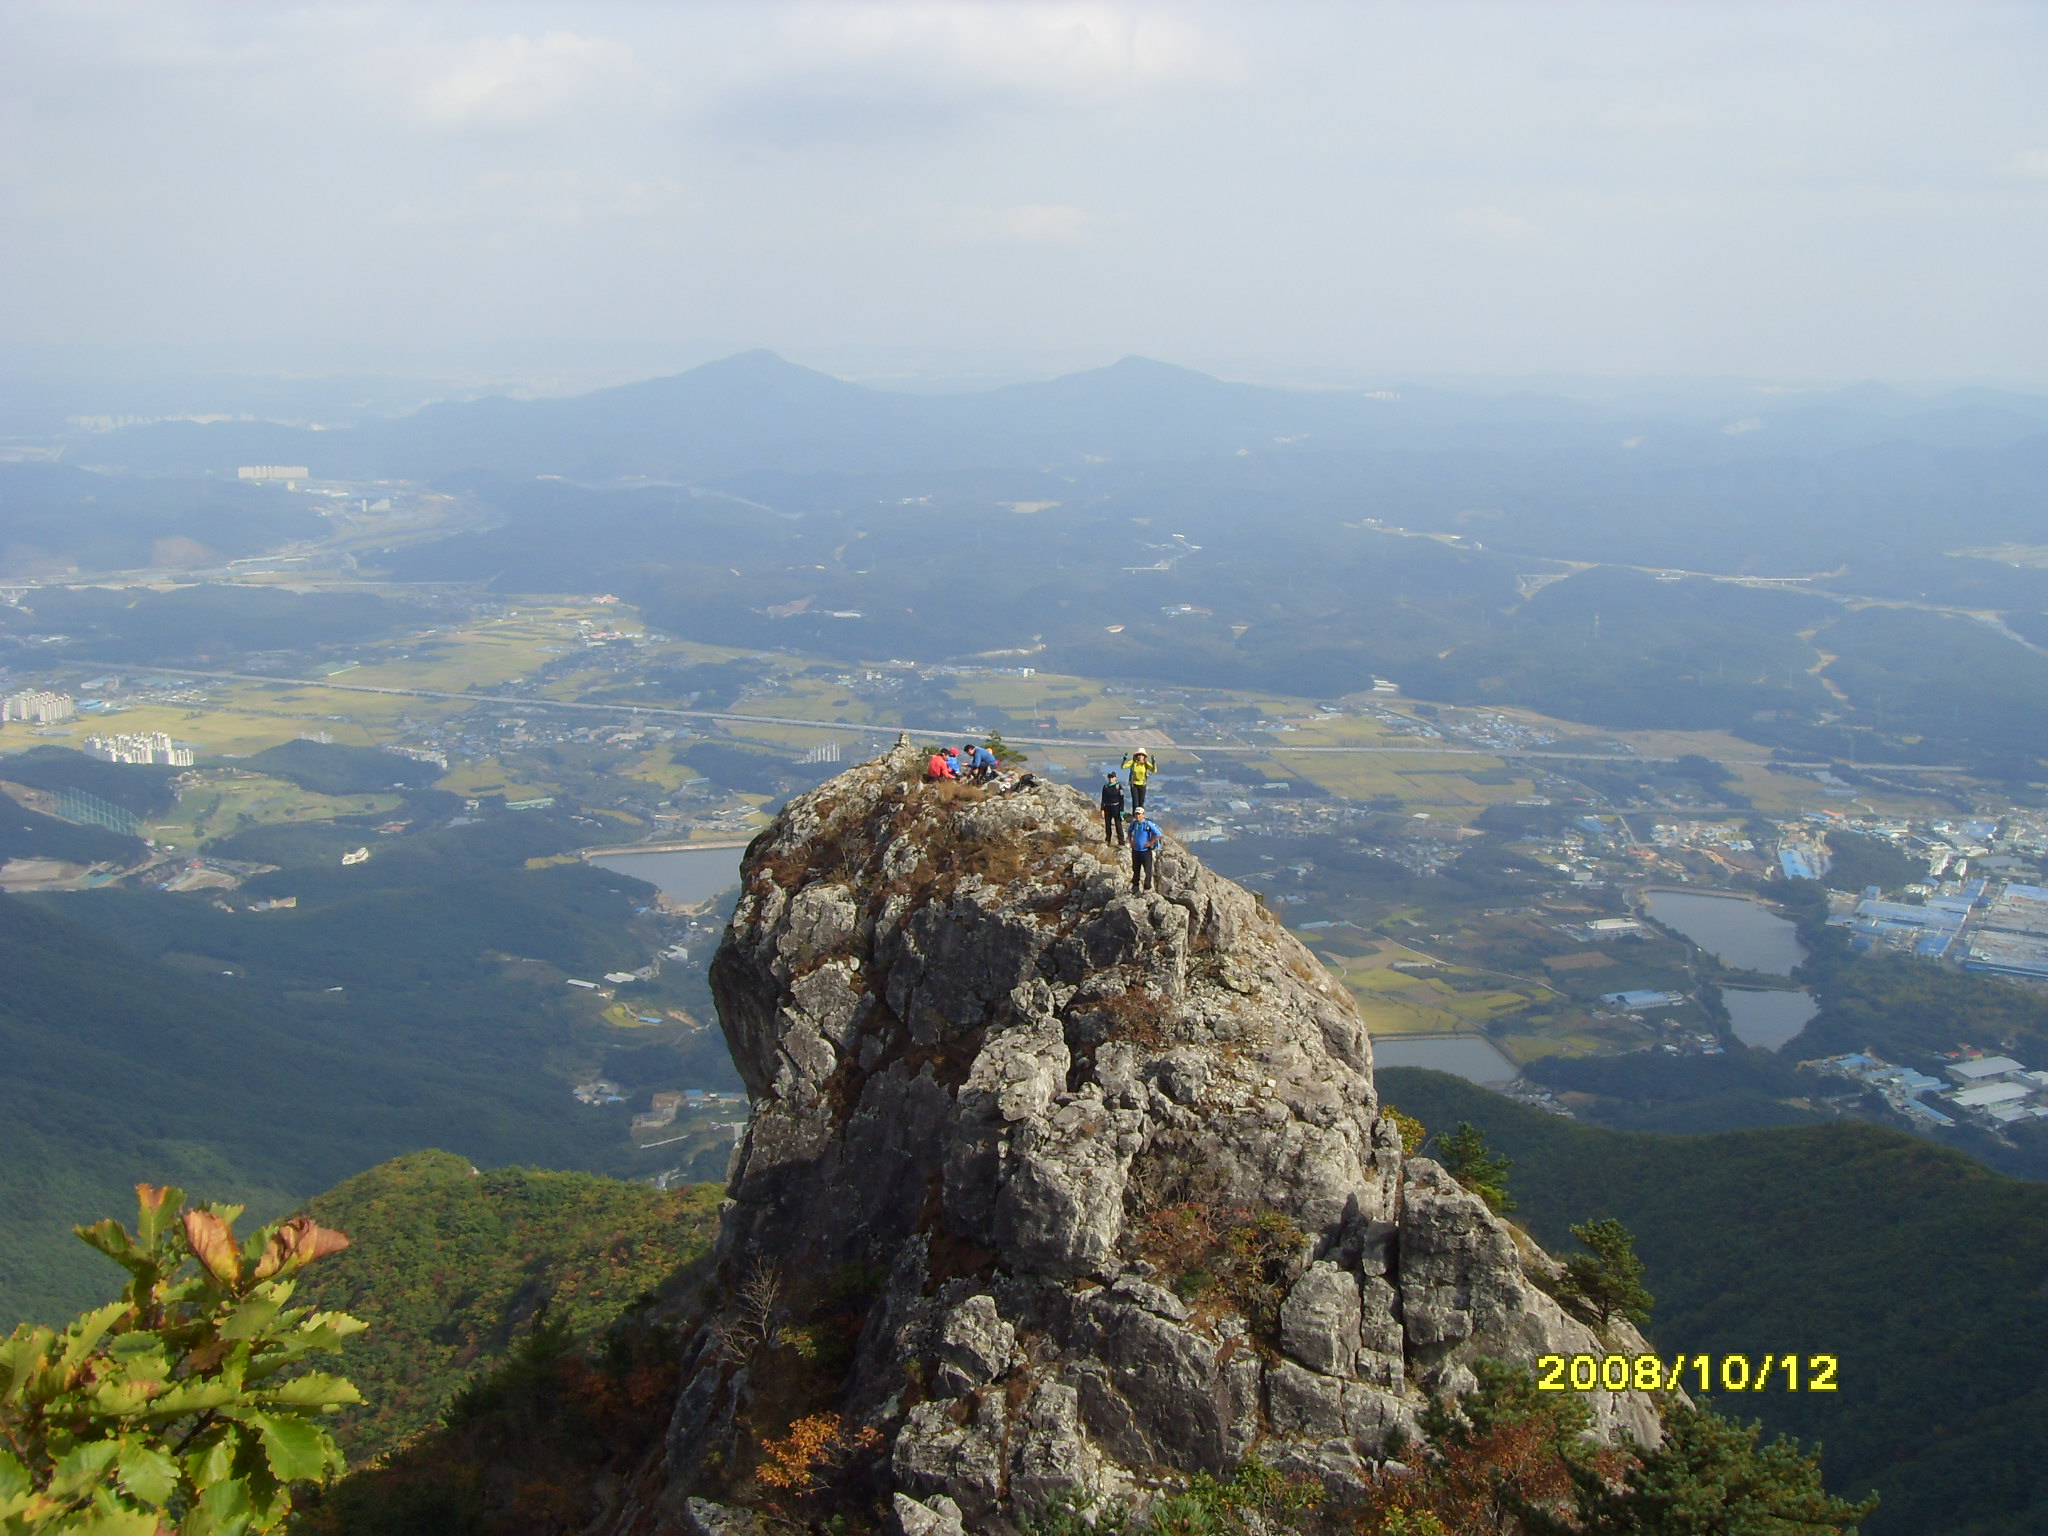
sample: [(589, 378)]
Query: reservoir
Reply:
[(686, 877), (1767, 1019), (1472, 1057), (1740, 933)]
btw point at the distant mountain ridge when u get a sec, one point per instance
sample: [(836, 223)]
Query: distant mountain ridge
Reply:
[(756, 412)]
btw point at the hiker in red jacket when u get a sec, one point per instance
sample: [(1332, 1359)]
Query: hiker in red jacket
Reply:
[(940, 767)]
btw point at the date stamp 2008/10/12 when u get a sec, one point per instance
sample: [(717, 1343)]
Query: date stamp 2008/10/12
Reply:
[(1703, 1373)]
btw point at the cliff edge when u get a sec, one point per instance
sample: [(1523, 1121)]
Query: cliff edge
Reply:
[(1055, 1193)]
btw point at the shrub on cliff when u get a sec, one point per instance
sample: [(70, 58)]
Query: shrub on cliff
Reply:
[(184, 1401)]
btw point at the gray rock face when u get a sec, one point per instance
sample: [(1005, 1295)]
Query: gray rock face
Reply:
[(939, 1517), (701, 1517), (1059, 1189), (974, 1348), (1465, 1295), (1319, 1321)]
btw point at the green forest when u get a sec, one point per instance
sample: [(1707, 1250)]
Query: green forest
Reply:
[(141, 789), (27, 834), (411, 1001), (1857, 862), (452, 1266), (328, 769), (1916, 1265)]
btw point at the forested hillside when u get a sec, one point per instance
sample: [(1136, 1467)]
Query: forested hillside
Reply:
[(1917, 1266), (264, 1056), (452, 1267), (58, 519)]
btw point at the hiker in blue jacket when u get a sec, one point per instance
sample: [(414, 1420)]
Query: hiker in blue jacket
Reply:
[(1144, 847), (982, 761)]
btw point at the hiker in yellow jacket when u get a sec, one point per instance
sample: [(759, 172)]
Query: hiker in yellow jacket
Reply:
[(1139, 767)]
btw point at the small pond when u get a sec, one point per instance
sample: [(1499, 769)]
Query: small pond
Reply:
[(687, 876), (1740, 933), (1472, 1057), (1767, 1019)]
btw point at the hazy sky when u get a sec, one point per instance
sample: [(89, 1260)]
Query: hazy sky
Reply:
[(1786, 189)]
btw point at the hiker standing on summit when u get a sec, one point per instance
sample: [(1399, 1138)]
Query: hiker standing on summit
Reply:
[(1113, 811), (1139, 767), (1144, 849)]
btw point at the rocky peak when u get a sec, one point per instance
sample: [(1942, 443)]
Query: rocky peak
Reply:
[(1054, 1191)]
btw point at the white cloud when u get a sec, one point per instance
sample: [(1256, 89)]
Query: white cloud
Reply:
[(1056, 49), (518, 79), (870, 73), (1497, 226), (1820, 190), (2029, 166), (1025, 224)]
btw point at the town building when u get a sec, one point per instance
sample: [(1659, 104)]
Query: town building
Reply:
[(1981, 1069), (1642, 999), (1900, 1087), (140, 747), (37, 707), (1614, 928), (1985, 1095)]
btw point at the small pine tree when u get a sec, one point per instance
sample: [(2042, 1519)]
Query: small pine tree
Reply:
[(1005, 754), (1465, 1158), (1608, 1278)]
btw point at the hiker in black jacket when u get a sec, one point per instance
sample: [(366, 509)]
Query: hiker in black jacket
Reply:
[(1113, 811)]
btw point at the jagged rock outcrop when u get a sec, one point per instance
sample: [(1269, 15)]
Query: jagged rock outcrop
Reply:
[(1059, 1191)]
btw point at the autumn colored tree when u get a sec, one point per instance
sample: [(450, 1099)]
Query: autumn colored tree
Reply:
[(1496, 1453), (1413, 1133), (1510, 1460), (182, 1407)]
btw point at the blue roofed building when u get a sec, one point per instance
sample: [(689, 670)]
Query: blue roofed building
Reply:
[(1913, 1109)]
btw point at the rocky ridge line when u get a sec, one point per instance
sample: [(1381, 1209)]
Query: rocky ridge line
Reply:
[(1054, 1193)]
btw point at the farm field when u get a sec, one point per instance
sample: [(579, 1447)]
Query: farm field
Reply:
[(1400, 990), (220, 801), (230, 727), (488, 776)]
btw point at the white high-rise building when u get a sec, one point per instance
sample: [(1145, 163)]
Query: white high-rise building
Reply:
[(37, 707), (150, 747)]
